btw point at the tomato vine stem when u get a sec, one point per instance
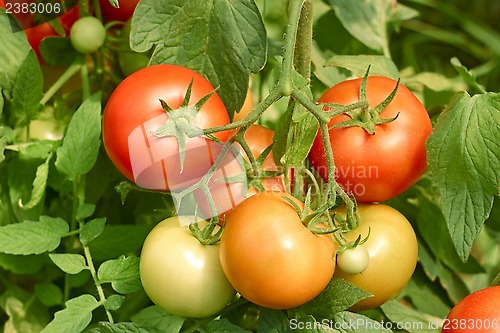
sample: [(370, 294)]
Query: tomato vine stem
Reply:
[(68, 73)]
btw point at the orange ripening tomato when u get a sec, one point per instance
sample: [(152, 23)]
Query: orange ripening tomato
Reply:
[(375, 167), (270, 257)]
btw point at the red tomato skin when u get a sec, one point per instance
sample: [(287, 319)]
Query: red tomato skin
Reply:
[(110, 13), (376, 167), (478, 312), (135, 104)]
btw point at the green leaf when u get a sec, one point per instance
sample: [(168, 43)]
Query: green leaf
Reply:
[(272, 321), (27, 91), (432, 226), (75, 317), (453, 284), (223, 40), (435, 81), (123, 327), (91, 230), (36, 150), (426, 295), (32, 237), (428, 261), (117, 240), (69, 262), (114, 302), (464, 161), (14, 48), (156, 318), (224, 326), (411, 320), (349, 322), (6, 136), (84, 211), (49, 293), (24, 312), (294, 138), (39, 186), (357, 64), (466, 75), (80, 146), (122, 273), (338, 296), (21, 173), (366, 20), (22, 264), (58, 51)]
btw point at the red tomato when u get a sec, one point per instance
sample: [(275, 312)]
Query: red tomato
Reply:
[(227, 195), (476, 313), (110, 13), (134, 111), (380, 166), (270, 257)]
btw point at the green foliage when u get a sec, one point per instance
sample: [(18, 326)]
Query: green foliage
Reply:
[(69, 246), (466, 131), (227, 40)]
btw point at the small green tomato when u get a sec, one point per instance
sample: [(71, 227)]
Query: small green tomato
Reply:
[(87, 34), (353, 261)]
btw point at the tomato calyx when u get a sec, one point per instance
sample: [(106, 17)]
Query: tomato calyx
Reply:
[(317, 221), (361, 114), (207, 235), (181, 122)]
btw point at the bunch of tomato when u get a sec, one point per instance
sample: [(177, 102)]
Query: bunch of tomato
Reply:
[(260, 242)]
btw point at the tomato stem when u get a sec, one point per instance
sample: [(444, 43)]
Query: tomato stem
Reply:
[(68, 73), (303, 43)]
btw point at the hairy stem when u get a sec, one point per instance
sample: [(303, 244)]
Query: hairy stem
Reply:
[(93, 273), (303, 44)]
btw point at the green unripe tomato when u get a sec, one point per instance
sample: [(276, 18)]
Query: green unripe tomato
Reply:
[(87, 34), (353, 261), (181, 275)]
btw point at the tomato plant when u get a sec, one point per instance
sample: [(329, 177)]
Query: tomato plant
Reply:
[(478, 312), (134, 109), (376, 166), (392, 248), (180, 274), (87, 34), (292, 256), (364, 105)]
